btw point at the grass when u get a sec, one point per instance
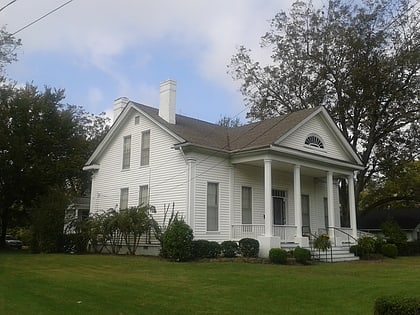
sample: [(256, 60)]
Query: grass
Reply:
[(91, 284)]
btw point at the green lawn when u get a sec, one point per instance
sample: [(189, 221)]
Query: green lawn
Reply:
[(90, 284)]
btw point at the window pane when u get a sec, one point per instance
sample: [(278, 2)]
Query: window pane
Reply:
[(144, 195), (212, 207), (246, 205), (126, 152), (124, 198), (145, 147)]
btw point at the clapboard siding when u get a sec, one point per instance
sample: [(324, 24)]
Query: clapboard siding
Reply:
[(165, 175), (332, 146), (212, 169)]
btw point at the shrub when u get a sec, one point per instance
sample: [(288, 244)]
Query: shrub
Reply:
[(396, 305), (389, 250), (379, 242), (204, 249), (278, 256), (229, 249), (249, 247), (322, 242), (199, 248), (177, 240), (393, 233), (366, 246), (302, 255)]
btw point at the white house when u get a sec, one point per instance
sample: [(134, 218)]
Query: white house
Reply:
[(274, 180)]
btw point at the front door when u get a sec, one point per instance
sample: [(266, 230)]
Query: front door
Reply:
[(279, 206), (306, 225)]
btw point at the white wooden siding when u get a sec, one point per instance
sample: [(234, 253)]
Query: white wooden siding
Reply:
[(166, 174), (214, 169), (332, 146)]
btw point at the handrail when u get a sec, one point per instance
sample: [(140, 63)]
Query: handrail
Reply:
[(345, 233)]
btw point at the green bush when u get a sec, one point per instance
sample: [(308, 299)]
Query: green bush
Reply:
[(229, 249), (412, 249), (366, 246), (393, 233), (249, 247), (278, 256), (379, 242), (176, 241), (397, 305), (389, 250), (204, 249), (302, 255)]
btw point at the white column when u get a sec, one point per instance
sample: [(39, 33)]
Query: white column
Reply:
[(352, 206), (268, 199), (331, 215), (191, 191), (231, 196), (298, 201)]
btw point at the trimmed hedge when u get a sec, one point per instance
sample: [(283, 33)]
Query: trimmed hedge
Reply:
[(204, 249), (389, 250), (302, 255), (397, 305), (249, 247), (229, 249), (278, 256), (177, 240)]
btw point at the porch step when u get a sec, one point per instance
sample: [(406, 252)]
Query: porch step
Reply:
[(334, 254)]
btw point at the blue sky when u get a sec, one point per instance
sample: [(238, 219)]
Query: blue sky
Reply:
[(99, 50)]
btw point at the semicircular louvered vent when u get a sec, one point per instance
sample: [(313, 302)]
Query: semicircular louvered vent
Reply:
[(314, 141)]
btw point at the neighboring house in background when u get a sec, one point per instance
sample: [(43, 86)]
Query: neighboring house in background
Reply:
[(274, 180), (79, 208), (407, 218)]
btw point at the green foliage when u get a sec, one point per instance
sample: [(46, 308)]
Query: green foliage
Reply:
[(229, 249), (302, 255), (48, 222), (132, 224), (322, 242), (177, 240), (352, 58), (8, 46), (278, 256), (393, 233), (44, 145), (397, 305), (205, 249), (249, 247), (365, 246), (389, 250)]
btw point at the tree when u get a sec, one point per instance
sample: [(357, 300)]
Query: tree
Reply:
[(229, 122), (400, 188), (361, 60), (43, 146), (8, 46)]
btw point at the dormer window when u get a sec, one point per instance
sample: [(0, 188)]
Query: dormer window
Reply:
[(314, 141)]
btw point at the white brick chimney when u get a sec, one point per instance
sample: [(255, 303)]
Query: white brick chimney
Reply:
[(168, 101), (119, 105)]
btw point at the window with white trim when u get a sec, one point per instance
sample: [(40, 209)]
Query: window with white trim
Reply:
[(123, 198), (315, 141), (126, 152), (246, 205), (212, 206), (144, 195), (145, 148)]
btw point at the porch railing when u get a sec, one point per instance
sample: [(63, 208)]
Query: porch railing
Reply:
[(287, 233), (247, 230)]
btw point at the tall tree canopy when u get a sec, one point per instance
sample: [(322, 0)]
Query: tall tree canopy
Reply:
[(8, 46), (359, 59), (43, 147)]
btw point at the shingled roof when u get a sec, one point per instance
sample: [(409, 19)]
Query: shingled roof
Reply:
[(254, 135), (407, 218)]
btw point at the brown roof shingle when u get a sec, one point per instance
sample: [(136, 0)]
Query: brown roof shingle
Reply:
[(201, 133)]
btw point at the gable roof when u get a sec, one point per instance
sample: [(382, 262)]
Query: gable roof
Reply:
[(205, 134), (407, 218), (195, 132)]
